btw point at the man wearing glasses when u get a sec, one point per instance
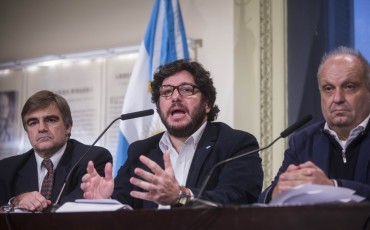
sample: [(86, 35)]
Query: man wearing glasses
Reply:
[(168, 169)]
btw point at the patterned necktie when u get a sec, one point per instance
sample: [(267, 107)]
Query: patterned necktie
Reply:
[(47, 184)]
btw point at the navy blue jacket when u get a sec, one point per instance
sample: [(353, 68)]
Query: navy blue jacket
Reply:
[(312, 144), (236, 182), (18, 174)]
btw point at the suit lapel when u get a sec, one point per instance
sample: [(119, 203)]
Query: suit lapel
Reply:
[(155, 155), (27, 179), (202, 152), (61, 171)]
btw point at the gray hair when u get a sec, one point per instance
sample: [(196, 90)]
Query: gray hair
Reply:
[(349, 51)]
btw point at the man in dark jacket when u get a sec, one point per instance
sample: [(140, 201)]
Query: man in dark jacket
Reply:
[(33, 180), (169, 168), (334, 152)]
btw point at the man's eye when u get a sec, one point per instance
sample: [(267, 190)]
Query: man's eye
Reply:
[(31, 123), (167, 91), (349, 87), (187, 89), (328, 89), (51, 120)]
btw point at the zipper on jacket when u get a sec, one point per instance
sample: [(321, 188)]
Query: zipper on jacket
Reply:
[(344, 156)]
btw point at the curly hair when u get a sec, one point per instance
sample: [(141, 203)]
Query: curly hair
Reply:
[(201, 77)]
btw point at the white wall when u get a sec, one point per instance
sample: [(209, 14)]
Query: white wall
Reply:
[(35, 28), (32, 28), (213, 23)]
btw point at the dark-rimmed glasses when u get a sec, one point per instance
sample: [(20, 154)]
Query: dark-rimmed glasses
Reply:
[(184, 90)]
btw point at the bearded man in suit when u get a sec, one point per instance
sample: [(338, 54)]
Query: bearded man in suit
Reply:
[(168, 169)]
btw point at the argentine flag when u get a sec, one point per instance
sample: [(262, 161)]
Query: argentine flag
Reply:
[(165, 41)]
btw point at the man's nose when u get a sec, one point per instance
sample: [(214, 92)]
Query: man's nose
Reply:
[(339, 96), (42, 126), (176, 94)]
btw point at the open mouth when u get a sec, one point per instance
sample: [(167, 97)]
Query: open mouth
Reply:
[(177, 112)]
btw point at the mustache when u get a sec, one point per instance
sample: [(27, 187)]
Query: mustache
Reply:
[(176, 104)]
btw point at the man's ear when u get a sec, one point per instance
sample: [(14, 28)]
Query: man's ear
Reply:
[(68, 130), (208, 108)]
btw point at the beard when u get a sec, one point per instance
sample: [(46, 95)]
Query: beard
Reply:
[(197, 119)]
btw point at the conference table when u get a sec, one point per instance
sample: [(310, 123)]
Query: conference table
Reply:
[(323, 216)]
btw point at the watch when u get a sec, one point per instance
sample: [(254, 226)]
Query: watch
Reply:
[(182, 198)]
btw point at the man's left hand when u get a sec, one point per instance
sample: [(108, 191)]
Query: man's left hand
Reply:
[(161, 185)]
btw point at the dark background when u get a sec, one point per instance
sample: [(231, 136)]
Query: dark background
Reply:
[(314, 27)]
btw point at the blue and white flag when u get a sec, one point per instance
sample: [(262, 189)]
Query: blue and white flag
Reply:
[(165, 41)]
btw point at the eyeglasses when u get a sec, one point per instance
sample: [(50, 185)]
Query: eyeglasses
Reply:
[(184, 90)]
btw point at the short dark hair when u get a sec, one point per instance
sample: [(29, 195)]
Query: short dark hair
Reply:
[(201, 77), (43, 99)]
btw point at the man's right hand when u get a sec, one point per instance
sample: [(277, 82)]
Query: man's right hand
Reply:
[(306, 173), (31, 201), (96, 187)]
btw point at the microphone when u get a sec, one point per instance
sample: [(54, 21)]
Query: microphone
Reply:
[(295, 126), (283, 134), (53, 207)]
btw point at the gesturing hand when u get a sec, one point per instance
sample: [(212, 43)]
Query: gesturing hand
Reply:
[(161, 185), (96, 187)]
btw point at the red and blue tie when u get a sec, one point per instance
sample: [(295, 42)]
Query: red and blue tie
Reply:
[(47, 184)]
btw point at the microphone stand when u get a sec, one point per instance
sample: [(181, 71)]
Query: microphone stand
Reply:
[(53, 207), (201, 203)]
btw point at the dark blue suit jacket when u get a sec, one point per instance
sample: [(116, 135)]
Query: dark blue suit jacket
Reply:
[(18, 174), (236, 182), (312, 144)]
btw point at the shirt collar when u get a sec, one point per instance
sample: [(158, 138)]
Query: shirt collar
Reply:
[(55, 158), (352, 135), (359, 128), (165, 141)]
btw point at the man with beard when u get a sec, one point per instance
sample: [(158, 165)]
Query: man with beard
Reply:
[(334, 152), (168, 169)]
